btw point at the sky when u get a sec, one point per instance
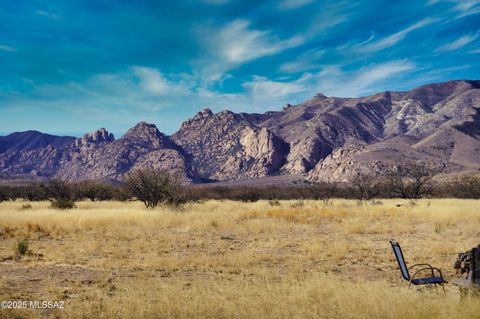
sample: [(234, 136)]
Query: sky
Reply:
[(70, 67)]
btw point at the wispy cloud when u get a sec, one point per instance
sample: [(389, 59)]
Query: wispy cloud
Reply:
[(267, 88), (6, 48), (237, 43), (154, 82), (458, 43), (49, 15), (306, 61), (460, 8), (373, 46), (294, 4), (366, 80), (216, 2)]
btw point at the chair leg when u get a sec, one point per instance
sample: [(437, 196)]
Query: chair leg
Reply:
[(443, 288)]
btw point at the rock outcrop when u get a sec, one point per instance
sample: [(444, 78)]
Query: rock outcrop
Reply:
[(228, 146), (96, 137)]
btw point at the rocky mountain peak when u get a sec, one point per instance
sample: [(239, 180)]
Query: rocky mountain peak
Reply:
[(200, 117), (147, 134), (143, 130), (320, 96), (206, 112), (98, 136)]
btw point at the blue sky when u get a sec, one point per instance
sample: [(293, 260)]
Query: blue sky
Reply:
[(69, 67)]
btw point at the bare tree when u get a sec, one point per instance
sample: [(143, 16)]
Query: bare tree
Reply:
[(411, 180), (154, 187), (365, 186), (325, 191)]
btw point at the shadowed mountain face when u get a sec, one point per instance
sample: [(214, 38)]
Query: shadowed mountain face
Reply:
[(31, 140), (323, 139)]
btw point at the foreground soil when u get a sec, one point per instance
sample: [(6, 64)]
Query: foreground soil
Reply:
[(224, 259)]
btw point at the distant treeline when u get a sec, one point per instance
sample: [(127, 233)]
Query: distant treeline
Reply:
[(155, 188)]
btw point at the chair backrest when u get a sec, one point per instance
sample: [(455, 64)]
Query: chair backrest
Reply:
[(400, 260)]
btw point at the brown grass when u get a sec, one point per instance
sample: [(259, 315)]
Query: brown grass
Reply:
[(224, 259)]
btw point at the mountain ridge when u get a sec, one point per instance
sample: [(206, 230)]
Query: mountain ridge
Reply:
[(323, 138)]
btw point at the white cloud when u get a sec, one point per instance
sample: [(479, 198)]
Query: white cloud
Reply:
[(238, 43), (6, 48), (389, 41), (366, 80), (466, 7), (461, 8), (235, 44), (458, 43), (215, 2), (331, 80), (306, 61), (154, 82), (294, 4), (264, 87), (48, 15)]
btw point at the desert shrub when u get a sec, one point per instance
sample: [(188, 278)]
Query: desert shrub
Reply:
[(60, 193), (5, 193), (94, 191), (156, 187), (247, 194), (297, 204), (325, 192), (32, 192), (274, 202), (465, 187), (22, 247)]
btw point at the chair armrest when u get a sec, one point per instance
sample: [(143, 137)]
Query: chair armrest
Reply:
[(416, 265)]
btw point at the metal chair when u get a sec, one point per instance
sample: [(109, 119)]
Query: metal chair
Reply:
[(413, 280)]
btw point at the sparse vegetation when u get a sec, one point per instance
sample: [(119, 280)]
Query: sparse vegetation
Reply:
[(466, 186), (22, 247), (26, 206), (326, 191), (234, 259)]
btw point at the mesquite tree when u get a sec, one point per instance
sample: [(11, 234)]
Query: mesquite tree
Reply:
[(154, 187), (411, 179)]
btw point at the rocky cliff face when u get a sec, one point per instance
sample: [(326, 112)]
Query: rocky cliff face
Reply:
[(228, 146), (94, 138), (324, 138)]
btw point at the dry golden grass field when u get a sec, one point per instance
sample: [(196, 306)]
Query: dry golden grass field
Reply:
[(224, 259)]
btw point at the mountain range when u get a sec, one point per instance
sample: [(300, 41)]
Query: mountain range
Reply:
[(321, 139)]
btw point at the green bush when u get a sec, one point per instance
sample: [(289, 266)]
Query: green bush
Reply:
[(60, 193), (156, 187), (22, 247)]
